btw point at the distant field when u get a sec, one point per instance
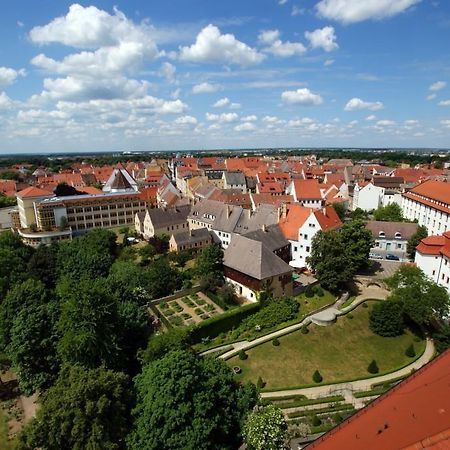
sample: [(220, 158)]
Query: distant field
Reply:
[(340, 352)]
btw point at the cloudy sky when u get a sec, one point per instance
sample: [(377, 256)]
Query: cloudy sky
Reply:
[(198, 74)]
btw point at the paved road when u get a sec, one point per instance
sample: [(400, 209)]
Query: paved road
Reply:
[(360, 385)]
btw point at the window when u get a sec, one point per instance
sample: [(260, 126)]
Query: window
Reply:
[(307, 248), (382, 234), (305, 236), (398, 235)]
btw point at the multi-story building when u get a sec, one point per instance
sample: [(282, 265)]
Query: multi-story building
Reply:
[(433, 257), (429, 204), (45, 217)]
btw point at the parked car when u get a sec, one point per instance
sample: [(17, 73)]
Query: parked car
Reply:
[(375, 256), (391, 257)]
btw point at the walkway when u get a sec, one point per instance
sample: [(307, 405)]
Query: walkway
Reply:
[(367, 292), (359, 385)]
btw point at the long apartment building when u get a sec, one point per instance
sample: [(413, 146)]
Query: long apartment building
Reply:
[(45, 217), (429, 204)]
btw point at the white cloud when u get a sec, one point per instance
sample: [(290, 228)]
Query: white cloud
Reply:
[(385, 123), (324, 38), (235, 106), (9, 76), (371, 117), (352, 11), (444, 103), (297, 11), (282, 2), (431, 97), (222, 118), (301, 97), (445, 123), (186, 120), (5, 101), (304, 121), (222, 103), (328, 62), (211, 46), (206, 88), (246, 126), (277, 47), (438, 86), (251, 118), (356, 104), (167, 70), (270, 119), (175, 94)]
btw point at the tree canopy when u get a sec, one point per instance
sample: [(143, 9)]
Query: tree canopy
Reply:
[(386, 319), (85, 409), (415, 239), (389, 213), (187, 402), (208, 267)]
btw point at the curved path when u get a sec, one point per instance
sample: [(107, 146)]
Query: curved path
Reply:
[(359, 385), (367, 293)]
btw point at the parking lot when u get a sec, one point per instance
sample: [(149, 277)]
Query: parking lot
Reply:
[(382, 269)]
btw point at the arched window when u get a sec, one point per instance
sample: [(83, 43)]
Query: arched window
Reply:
[(398, 235), (381, 234)]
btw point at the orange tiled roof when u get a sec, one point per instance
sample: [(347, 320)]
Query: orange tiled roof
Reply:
[(32, 191), (307, 189), (295, 218), (435, 190), (328, 218), (435, 245)]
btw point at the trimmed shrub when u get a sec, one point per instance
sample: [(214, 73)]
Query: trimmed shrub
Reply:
[(365, 305), (319, 292), (373, 367), (349, 316), (242, 355), (315, 421), (309, 291), (304, 329), (260, 383), (410, 351), (317, 377), (275, 342)]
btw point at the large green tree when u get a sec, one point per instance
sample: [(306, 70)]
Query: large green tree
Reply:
[(209, 266), (329, 260), (90, 255), (188, 402), (386, 319), (415, 239), (389, 213), (266, 429), (32, 349), (43, 264), (422, 300), (358, 241), (85, 409), (162, 278), (20, 297), (89, 323)]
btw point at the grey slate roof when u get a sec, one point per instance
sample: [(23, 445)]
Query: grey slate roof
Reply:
[(221, 216), (235, 178), (171, 216), (271, 236), (390, 228), (253, 258), (201, 234), (251, 221)]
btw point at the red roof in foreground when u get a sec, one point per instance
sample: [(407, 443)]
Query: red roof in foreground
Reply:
[(435, 245), (415, 414)]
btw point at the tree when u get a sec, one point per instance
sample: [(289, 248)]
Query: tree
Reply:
[(340, 210), (89, 323), (90, 255), (162, 279), (359, 214), (441, 338), (43, 264), (329, 260), (389, 213), (32, 349), (161, 344), (410, 352), (415, 239), (64, 190), (266, 429), (85, 409), (208, 267), (358, 241), (422, 300), (189, 402), (20, 297), (317, 377), (373, 367), (386, 319), (14, 256)]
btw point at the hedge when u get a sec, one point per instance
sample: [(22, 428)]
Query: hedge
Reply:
[(307, 401), (211, 328), (313, 412), (371, 393)]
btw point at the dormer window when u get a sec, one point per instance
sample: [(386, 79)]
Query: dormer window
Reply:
[(398, 235), (381, 234)]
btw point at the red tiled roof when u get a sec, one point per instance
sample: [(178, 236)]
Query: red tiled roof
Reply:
[(408, 416), (270, 199), (270, 187), (295, 218), (435, 245), (307, 189), (435, 190), (34, 192), (426, 202), (327, 218)]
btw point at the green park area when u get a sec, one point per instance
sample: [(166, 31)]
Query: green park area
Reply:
[(339, 352)]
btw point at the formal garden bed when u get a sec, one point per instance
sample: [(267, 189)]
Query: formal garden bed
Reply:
[(339, 353), (188, 310)]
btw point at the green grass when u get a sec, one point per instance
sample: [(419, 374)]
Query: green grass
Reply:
[(348, 302), (4, 443), (310, 304), (340, 352)]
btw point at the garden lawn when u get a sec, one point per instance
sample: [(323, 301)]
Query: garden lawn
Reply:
[(4, 443), (313, 303), (340, 352)]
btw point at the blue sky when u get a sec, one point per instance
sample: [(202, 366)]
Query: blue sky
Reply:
[(198, 74)]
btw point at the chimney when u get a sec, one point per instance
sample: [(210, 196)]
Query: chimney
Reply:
[(264, 227), (228, 211)]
